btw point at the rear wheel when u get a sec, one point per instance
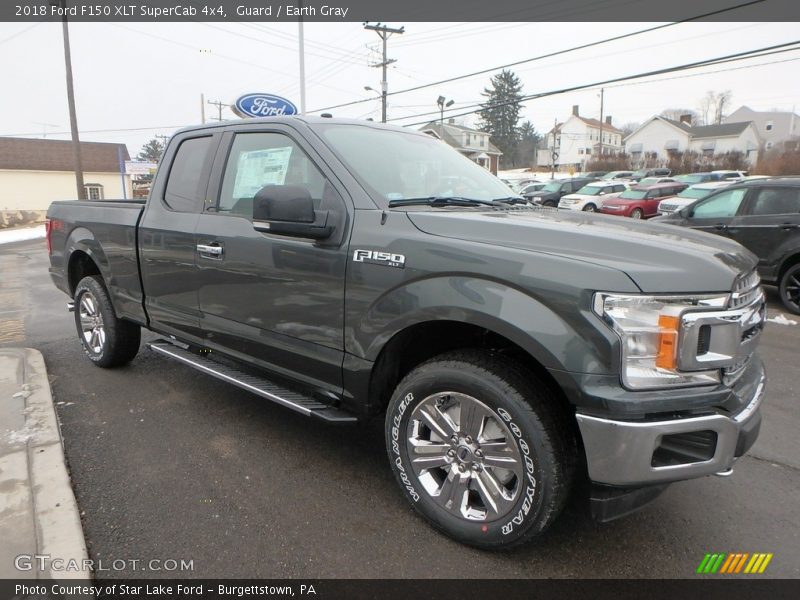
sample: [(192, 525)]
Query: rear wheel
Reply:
[(790, 289), (106, 340), (478, 447), (637, 213)]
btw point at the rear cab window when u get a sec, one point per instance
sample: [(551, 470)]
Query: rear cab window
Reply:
[(185, 189)]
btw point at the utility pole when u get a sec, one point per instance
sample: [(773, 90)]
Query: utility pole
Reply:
[(73, 118), (203, 108), (302, 52), (554, 149), (384, 33), (219, 106), (600, 153)]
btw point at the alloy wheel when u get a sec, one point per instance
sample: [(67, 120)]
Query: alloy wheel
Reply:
[(464, 456), (92, 327)]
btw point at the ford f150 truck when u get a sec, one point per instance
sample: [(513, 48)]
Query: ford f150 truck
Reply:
[(346, 269)]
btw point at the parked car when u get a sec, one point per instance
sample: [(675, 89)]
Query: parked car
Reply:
[(725, 175), (551, 193), (514, 357), (641, 201), (689, 196), (694, 178), (531, 187), (591, 196), (519, 184), (654, 180), (763, 216), (617, 175), (594, 174), (654, 172)]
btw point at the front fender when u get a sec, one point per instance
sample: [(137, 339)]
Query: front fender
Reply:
[(558, 333)]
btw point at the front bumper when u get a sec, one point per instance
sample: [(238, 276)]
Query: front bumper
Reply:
[(634, 453)]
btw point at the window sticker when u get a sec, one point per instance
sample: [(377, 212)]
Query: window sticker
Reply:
[(258, 168)]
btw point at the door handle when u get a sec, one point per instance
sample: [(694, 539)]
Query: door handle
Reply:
[(213, 250), (720, 226)]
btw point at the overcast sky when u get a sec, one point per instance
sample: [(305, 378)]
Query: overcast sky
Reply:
[(138, 80)]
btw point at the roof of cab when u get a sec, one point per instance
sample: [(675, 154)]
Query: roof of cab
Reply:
[(307, 120)]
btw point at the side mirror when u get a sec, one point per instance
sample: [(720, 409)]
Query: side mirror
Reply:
[(602, 193), (289, 210), (686, 213)]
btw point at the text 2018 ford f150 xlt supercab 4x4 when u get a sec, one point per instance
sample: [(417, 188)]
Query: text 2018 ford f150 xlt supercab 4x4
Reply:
[(347, 269)]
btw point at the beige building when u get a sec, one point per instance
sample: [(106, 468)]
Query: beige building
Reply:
[(35, 172)]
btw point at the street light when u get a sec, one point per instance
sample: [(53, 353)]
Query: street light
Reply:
[(443, 102)]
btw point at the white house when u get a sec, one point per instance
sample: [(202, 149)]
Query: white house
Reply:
[(472, 143), (777, 129), (657, 139), (575, 141)]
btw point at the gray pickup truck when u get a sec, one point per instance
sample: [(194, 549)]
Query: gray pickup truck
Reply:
[(346, 269)]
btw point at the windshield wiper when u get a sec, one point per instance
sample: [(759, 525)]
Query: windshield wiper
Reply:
[(440, 201), (510, 200)]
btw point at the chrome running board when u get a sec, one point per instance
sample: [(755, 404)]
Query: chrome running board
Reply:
[(305, 405)]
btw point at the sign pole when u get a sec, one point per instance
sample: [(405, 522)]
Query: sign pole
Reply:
[(302, 52)]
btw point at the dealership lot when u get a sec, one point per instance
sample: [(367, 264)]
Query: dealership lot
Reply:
[(170, 464)]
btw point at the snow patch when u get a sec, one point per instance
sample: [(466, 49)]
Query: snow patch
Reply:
[(7, 236), (781, 320)]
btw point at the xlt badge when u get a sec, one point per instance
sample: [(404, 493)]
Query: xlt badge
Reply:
[(387, 259)]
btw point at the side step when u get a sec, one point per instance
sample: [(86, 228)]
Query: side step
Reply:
[(257, 385)]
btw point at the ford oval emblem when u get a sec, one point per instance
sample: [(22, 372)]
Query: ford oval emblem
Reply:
[(263, 105)]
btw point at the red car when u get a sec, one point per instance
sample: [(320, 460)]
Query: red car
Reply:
[(641, 201)]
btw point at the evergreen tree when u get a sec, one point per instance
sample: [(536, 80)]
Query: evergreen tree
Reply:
[(500, 113), (527, 145), (151, 151)]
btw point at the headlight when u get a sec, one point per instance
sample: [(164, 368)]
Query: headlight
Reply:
[(649, 327)]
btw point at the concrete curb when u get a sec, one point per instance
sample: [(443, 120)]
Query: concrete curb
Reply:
[(38, 512)]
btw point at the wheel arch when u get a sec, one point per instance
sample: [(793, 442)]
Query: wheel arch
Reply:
[(85, 257)]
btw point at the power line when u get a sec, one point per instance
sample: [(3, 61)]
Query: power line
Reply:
[(551, 54), (19, 33), (765, 51)]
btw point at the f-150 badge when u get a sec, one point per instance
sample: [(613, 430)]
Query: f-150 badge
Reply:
[(387, 259)]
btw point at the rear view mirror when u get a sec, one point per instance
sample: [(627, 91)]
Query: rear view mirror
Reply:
[(290, 203), (289, 210)]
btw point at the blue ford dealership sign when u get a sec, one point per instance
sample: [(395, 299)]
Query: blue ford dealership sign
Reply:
[(263, 105)]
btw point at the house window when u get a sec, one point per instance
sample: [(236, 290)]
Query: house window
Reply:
[(482, 141), (769, 146), (580, 150), (769, 126), (94, 191)]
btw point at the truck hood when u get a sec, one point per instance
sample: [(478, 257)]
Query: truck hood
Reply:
[(658, 258)]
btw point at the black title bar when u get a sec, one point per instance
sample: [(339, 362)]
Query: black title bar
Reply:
[(396, 11)]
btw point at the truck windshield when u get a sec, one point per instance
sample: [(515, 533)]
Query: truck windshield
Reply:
[(394, 165)]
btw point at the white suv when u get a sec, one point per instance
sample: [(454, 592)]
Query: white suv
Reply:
[(590, 197), (689, 196)]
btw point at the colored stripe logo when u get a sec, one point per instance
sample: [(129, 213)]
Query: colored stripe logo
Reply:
[(734, 563)]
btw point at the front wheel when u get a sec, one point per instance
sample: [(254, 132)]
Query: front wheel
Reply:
[(479, 449), (106, 340), (637, 213), (789, 288), (589, 208)]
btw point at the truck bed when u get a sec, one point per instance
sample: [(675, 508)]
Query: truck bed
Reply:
[(106, 230)]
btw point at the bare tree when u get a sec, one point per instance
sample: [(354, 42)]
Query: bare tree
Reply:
[(705, 107), (629, 128), (721, 101)]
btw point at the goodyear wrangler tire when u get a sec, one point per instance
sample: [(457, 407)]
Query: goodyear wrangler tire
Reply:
[(480, 448), (106, 340)]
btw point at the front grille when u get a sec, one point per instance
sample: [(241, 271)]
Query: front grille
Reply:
[(746, 289), (668, 207)]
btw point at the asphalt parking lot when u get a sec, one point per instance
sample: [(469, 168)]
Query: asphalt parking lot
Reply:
[(167, 463)]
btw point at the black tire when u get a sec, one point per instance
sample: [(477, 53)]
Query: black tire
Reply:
[(789, 288), (516, 400), (637, 213), (550, 203), (106, 340), (590, 208)]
